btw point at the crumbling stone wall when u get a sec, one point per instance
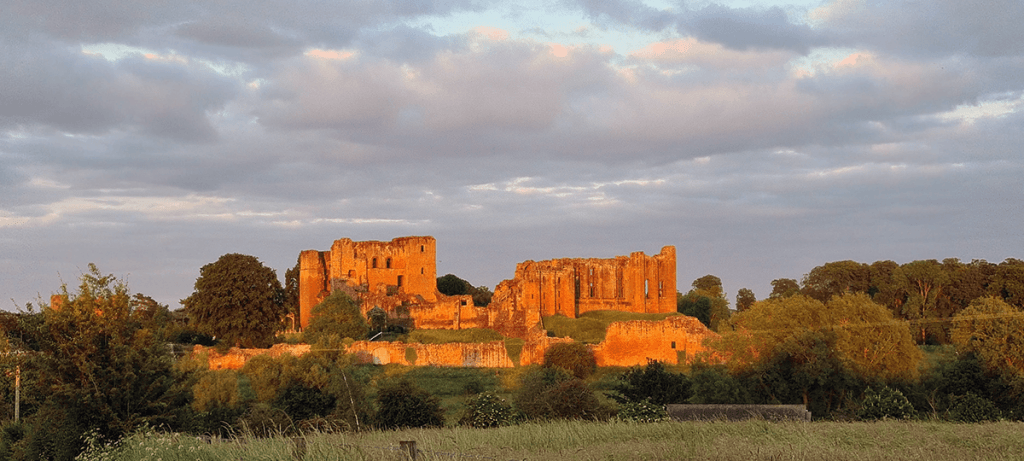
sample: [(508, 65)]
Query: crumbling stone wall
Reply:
[(627, 344), (400, 277), (402, 272), (673, 340), (573, 286)]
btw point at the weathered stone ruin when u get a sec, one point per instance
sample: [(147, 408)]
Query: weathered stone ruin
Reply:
[(400, 277)]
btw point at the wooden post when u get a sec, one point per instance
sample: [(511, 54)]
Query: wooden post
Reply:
[(299, 448), (409, 446)]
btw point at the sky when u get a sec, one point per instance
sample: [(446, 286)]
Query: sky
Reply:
[(760, 138)]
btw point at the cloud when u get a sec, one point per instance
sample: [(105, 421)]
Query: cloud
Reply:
[(750, 28), (936, 28)]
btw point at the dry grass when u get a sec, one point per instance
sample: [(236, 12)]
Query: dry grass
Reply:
[(750, 440)]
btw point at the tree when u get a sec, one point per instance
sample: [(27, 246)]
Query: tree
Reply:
[(95, 368), (925, 281), (337, 315), (784, 288), (835, 278), (801, 343), (744, 299), (711, 285), (291, 295), (452, 285), (694, 305), (238, 300), (994, 330)]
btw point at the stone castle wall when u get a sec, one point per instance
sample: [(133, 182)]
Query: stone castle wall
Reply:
[(674, 340), (400, 277)]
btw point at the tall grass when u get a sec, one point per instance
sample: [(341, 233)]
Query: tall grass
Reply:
[(559, 440)]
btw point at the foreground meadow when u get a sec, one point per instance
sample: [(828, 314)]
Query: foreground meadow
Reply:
[(563, 440)]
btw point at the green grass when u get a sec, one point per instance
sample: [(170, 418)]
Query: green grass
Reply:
[(592, 326), (469, 335), (559, 440)]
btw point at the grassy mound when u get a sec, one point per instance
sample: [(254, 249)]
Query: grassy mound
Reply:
[(591, 327)]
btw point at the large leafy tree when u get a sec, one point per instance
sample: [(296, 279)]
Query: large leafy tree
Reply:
[(95, 365), (994, 331), (801, 343), (706, 301), (835, 278), (744, 299), (336, 315), (238, 300)]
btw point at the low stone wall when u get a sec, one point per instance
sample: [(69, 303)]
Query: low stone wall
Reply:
[(632, 343), (738, 412), (235, 358), (673, 340), (485, 355)]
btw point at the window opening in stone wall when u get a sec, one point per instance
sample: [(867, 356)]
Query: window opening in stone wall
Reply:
[(661, 289), (399, 280), (645, 289), (373, 263), (673, 344), (463, 302), (387, 263), (423, 248), (421, 271)]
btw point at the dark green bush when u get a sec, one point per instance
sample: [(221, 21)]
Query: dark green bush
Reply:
[(642, 412), (487, 410), (552, 393), (653, 383), (971, 408), (886, 403), (712, 384), (402, 404), (303, 402)]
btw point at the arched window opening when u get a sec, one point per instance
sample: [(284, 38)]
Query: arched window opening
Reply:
[(373, 263)]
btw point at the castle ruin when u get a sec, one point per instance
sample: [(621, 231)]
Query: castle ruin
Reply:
[(400, 276)]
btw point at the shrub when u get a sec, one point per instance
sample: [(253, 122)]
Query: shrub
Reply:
[(653, 383), (573, 399), (304, 402), (402, 404), (714, 385), (552, 393), (576, 358), (886, 403), (487, 410), (971, 408), (642, 412)]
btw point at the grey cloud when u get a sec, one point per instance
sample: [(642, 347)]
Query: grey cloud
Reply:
[(746, 28), (625, 12), (406, 44), (68, 90), (934, 28)]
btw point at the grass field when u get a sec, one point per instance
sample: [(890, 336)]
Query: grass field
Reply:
[(562, 440)]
